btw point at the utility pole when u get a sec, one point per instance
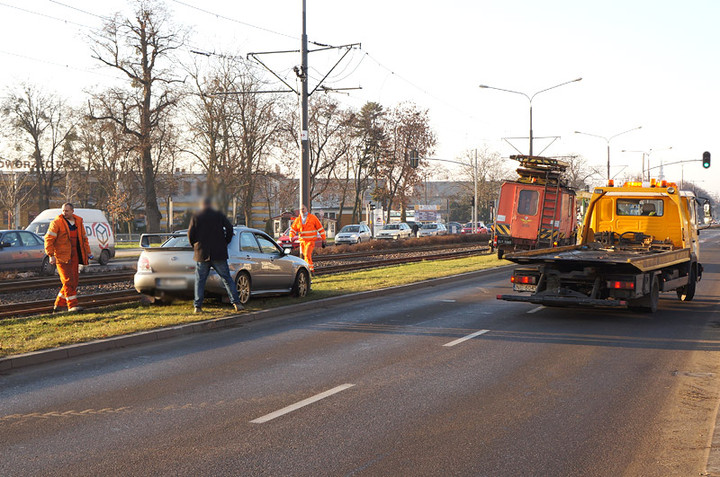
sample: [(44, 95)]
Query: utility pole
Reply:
[(475, 171), (304, 139)]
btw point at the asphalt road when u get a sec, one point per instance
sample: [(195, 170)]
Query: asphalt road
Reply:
[(388, 387)]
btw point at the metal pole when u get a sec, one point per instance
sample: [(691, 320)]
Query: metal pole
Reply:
[(643, 167), (304, 139), (475, 200), (531, 130), (608, 161)]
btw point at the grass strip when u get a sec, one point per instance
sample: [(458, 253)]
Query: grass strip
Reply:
[(23, 335)]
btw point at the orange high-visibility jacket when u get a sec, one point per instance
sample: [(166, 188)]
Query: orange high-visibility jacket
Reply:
[(57, 240), (308, 231)]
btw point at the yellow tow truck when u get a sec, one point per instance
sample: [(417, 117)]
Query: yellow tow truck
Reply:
[(636, 241)]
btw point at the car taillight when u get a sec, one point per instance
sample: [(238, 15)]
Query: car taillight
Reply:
[(621, 285), (143, 264), (524, 279)]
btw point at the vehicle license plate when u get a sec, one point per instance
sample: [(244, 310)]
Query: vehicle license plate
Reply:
[(173, 283), (521, 287)]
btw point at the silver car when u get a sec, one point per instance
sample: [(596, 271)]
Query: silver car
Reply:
[(395, 232), (23, 250), (257, 263), (353, 234), (430, 230)]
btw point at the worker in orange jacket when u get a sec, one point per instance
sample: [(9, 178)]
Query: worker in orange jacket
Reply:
[(66, 244), (309, 228)]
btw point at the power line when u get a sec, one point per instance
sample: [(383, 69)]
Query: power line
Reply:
[(235, 20), (60, 65), (79, 10), (48, 16)]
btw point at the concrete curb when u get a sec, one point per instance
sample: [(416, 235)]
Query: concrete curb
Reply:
[(70, 351)]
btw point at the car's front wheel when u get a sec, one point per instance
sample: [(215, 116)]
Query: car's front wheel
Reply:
[(104, 257), (301, 287), (243, 286)]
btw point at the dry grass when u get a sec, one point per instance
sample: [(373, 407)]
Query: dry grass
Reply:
[(48, 331)]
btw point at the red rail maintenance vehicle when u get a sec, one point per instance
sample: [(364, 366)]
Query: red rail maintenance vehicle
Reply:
[(537, 210)]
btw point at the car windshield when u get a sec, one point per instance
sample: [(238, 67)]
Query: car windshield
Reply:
[(39, 228), (180, 241), (350, 229), (392, 227), (429, 226)]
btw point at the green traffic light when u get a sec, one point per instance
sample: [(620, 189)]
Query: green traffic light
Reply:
[(706, 160)]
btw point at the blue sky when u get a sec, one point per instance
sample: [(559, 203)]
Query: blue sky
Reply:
[(643, 63)]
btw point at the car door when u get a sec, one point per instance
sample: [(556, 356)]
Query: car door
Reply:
[(252, 259), (34, 249), (277, 271), (366, 234), (12, 254)]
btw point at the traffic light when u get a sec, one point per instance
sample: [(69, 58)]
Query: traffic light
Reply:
[(414, 159), (706, 160)]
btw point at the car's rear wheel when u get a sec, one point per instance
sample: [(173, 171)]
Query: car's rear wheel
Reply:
[(47, 268), (243, 286), (301, 287)]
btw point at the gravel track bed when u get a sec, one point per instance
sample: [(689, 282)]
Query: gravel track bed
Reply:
[(47, 294), (50, 293)]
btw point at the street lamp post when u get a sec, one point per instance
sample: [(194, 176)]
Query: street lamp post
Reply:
[(644, 155), (607, 140), (530, 100)]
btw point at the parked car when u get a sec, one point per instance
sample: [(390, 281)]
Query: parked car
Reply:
[(480, 228), (285, 241), (395, 231), (432, 229), (99, 233), (454, 227), (257, 263), (23, 250), (353, 234)]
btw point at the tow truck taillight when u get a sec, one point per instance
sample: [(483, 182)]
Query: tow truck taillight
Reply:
[(143, 264), (621, 285), (524, 279)]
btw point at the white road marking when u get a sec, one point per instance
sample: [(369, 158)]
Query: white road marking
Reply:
[(465, 338), (535, 310), (448, 301), (303, 403)]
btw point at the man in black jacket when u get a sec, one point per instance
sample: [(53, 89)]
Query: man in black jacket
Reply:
[(209, 233)]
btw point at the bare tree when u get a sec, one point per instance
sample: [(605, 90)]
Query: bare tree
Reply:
[(369, 136), (579, 172), (408, 129), (16, 190), (44, 126), (140, 48)]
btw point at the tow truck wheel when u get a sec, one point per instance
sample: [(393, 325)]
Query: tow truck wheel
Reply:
[(648, 303), (687, 293), (500, 253)]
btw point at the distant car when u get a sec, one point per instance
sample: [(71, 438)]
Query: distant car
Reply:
[(454, 227), (395, 232), (479, 229), (285, 241), (353, 234), (23, 250), (433, 229), (257, 263)]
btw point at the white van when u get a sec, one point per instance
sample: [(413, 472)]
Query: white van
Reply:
[(97, 228)]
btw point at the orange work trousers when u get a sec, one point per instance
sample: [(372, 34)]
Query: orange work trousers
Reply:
[(306, 248), (69, 277)]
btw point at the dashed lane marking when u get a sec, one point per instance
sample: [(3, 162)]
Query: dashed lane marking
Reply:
[(448, 301), (535, 310), (303, 403), (465, 338)]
